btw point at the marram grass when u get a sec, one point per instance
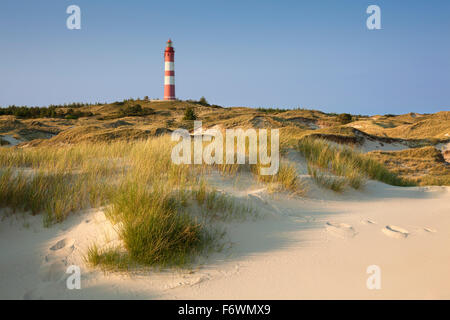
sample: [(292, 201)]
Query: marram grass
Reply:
[(153, 226), (345, 162), (147, 197)]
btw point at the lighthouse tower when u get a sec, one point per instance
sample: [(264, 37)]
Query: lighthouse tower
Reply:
[(169, 72)]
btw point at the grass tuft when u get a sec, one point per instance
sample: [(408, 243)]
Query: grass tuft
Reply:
[(286, 179), (327, 180), (109, 259), (153, 226), (346, 162)]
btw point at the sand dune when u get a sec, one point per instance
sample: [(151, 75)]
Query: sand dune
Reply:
[(300, 248), (10, 139)]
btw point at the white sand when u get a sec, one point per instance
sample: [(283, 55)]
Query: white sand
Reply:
[(316, 247), (369, 145), (12, 141), (443, 146)]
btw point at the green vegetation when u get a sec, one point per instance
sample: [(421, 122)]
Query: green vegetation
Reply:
[(215, 205), (74, 114), (424, 166), (3, 142), (153, 227), (145, 192), (425, 153), (51, 111), (57, 194), (166, 214), (271, 110), (203, 102), (147, 197), (327, 180), (109, 259), (286, 179), (135, 110), (345, 118), (345, 162), (189, 114)]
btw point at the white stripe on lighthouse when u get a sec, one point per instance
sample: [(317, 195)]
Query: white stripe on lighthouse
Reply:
[(169, 66), (169, 80)]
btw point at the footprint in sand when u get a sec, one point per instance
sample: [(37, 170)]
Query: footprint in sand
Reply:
[(257, 199), (342, 230), (395, 232), (60, 250), (52, 271), (368, 221), (31, 295), (64, 246), (188, 282), (59, 245)]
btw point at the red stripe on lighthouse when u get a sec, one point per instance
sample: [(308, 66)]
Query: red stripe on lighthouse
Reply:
[(169, 72)]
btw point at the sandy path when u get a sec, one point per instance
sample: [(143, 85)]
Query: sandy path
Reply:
[(304, 248), (12, 141)]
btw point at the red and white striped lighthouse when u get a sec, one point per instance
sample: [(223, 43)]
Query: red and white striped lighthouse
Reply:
[(169, 72)]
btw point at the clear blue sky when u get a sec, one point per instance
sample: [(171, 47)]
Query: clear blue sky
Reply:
[(312, 54)]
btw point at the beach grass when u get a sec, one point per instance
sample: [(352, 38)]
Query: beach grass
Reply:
[(146, 196), (154, 227), (327, 180), (346, 162)]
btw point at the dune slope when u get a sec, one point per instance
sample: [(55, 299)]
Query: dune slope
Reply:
[(310, 248)]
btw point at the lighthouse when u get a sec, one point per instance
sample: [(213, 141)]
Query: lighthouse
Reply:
[(169, 72)]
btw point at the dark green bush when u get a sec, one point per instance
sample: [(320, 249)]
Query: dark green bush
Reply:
[(189, 114), (135, 110), (345, 118)]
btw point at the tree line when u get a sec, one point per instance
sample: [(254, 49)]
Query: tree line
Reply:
[(52, 111)]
